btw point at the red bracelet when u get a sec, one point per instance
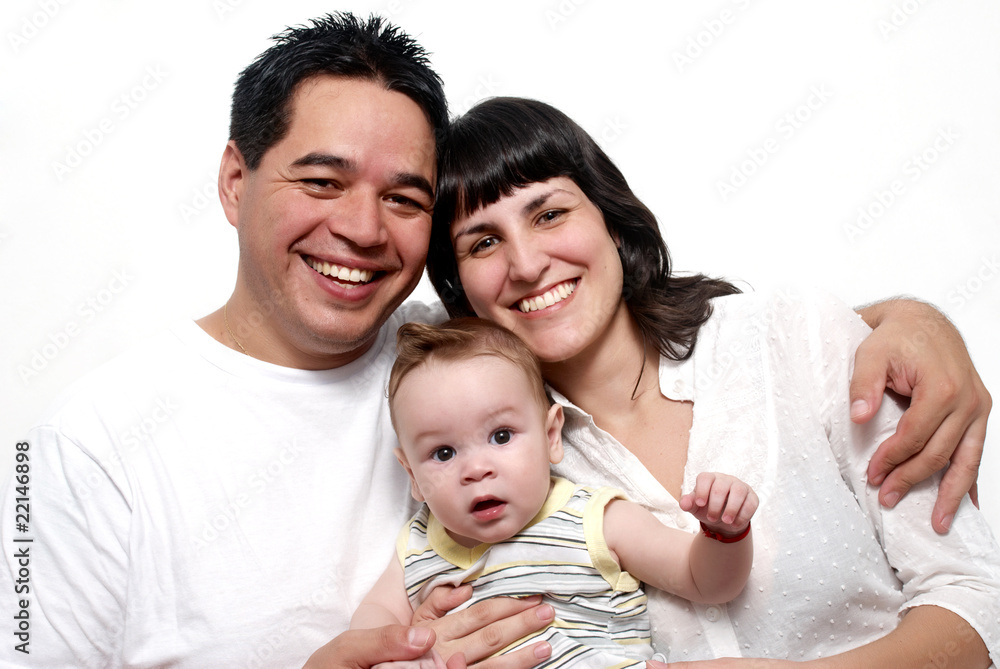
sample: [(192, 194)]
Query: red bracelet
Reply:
[(712, 534)]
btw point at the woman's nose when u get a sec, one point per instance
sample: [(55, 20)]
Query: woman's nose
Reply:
[(526, 261)]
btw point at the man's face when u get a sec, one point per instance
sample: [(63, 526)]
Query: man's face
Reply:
[(334, 223)]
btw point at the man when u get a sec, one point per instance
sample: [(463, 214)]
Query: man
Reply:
[(226, 493)]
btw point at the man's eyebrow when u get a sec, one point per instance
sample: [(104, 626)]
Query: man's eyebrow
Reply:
[(415, 181), (327, 160)]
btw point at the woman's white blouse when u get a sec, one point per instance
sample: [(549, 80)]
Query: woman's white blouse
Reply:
[(832, 570)]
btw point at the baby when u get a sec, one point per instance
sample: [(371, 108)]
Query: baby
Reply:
[(477, 434)]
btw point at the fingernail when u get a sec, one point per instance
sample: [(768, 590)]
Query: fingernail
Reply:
[(946, 522), (542, 650), (418, 636), (859, 408), (545, 612), (891, 499), (877, 479)]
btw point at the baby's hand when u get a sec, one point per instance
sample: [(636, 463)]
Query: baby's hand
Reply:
[(722, 502)]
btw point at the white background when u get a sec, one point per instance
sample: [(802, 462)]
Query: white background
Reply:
[(114, 114)]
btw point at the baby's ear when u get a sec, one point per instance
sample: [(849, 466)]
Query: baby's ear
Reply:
[(553, 430), (414, 488)]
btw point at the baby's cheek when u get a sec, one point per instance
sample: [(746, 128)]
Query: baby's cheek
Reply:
[(431, 484)]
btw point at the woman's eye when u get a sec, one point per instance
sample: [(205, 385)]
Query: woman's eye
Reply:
[(500, 437), (549, 216), (443, 454), (485, 244)]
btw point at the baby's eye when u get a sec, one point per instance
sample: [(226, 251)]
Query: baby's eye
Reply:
[(443, 454), (500, 437)]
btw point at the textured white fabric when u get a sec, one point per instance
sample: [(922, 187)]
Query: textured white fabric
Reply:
[(194, 507), (832, 570)]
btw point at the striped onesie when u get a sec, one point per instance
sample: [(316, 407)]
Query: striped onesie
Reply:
[(600, 610)]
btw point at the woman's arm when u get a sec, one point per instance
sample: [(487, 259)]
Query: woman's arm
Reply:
[(917, 352), (927, 636)]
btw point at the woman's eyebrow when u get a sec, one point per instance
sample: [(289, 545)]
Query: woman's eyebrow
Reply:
[(475, 229)]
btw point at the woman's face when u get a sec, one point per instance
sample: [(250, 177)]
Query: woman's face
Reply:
[(542, 263)]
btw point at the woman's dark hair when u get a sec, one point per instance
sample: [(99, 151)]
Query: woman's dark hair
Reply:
[(507, 143), (337, 44)]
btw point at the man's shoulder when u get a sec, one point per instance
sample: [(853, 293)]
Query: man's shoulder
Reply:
[(144, 364), (413, 311)]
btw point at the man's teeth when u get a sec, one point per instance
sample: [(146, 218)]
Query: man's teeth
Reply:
[(342, 273), (557, 294)]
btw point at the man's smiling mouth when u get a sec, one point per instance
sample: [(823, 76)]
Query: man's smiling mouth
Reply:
[(340, 272), (548, 298)]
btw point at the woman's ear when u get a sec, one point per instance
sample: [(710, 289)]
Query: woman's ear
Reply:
[(233, 173), (553, 430), (414, 488)]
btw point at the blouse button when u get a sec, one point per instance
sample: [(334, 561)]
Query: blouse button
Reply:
[(713, 613)]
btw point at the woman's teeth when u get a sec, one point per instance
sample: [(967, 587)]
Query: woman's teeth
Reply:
[(342, 273), (550, 297)]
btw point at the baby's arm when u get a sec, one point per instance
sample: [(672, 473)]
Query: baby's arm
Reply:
[(695, 567), (386, 603)]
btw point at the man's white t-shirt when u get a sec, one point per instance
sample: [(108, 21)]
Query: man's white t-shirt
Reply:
[(195, 507)]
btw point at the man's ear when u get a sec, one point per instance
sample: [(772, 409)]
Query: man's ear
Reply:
[(414, 488), (553, 430), (233, 174)]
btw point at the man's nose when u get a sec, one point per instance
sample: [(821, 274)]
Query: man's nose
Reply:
[(361, 220)]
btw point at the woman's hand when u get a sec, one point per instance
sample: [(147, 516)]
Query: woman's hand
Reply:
[(917, 352)]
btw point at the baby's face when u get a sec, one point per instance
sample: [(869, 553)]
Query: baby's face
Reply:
[(477, 444)]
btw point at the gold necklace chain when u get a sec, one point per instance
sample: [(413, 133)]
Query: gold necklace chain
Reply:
[(225, 316)]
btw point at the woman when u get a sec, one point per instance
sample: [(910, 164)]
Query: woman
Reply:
[(536, 229)]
